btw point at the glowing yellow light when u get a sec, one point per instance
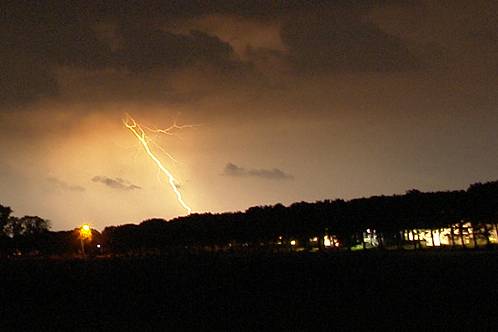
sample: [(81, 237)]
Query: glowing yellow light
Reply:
[(293, 242), (139, 133), (326, 241), (85, 232)]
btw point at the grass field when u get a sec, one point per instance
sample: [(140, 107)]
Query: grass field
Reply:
[(374, 291)]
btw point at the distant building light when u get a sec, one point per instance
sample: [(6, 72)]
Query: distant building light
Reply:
[(293, 242), (437, 239), (98, 246)]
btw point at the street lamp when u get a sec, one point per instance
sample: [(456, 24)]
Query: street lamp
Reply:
[(85, 234)]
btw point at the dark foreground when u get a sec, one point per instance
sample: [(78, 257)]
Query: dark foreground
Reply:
[(374, 291)]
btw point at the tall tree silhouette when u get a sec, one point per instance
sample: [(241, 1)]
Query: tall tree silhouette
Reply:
[(5, 212)]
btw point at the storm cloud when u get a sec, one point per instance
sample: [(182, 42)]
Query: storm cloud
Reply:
[(271, 174), (42, 41), (332, 41), (108, 42), (115, 183)]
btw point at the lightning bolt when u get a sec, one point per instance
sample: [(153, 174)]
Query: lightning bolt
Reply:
[(144, 140), (171, 129)]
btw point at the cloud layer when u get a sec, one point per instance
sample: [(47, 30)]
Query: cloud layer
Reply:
[(333, 42), (146, 46), (271, 174), (115, 183)]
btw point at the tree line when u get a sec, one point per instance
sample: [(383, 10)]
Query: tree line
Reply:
[(31, 235), (271, 227), (275, 227)]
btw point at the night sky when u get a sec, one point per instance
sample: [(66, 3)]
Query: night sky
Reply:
[(291, 102)]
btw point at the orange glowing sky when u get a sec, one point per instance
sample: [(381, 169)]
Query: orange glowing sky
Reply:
[(296, 102)]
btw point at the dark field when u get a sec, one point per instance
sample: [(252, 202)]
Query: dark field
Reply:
[(374, 291)]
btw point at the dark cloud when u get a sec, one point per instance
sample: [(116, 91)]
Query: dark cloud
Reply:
[(234, 170), (38, 40), (131, 51), (63, 186), (115, 183), (345, 42), (145, 50), (272, 174)]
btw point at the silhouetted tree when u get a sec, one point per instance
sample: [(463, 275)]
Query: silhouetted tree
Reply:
[(389, 216), (264, 227), (25, 233), (5, 212), (26, 226)]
